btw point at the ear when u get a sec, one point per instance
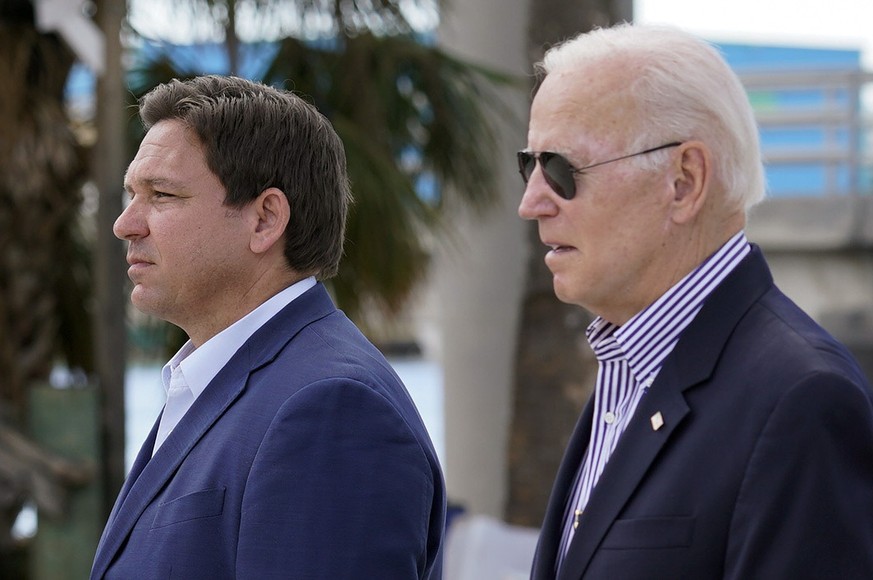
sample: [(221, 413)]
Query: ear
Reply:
[(691, 181), (269, 216)]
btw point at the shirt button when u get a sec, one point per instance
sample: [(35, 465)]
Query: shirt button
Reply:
[(609, 417)]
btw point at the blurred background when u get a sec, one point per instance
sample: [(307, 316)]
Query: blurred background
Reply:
[(431, 101)]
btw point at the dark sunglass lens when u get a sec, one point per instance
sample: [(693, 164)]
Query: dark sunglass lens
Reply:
[(526, 164), (558, 174)]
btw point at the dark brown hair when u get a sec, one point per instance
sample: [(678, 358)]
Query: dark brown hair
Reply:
[(255, 137)]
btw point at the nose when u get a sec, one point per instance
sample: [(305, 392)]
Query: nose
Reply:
[(131, 224), (538, 200)]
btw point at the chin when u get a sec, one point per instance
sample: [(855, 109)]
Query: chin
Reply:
[(146, 304), (563, 293)]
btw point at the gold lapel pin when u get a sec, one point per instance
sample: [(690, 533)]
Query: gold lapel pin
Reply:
[(657, 421)]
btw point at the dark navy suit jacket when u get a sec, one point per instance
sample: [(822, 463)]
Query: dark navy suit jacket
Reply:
[(762, 470), (304, 458)]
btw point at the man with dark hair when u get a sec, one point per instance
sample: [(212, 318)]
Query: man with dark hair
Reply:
[(288, 447), (729, 436)]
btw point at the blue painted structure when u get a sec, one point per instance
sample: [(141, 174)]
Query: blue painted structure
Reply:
[(810, 178)]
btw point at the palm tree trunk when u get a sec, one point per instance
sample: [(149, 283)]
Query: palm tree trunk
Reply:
[(231, 39), (41, 171), (109, 267)]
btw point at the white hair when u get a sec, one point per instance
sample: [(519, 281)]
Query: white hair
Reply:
[(685, 90)]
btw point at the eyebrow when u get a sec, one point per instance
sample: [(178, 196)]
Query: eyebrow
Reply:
[(153, 183)]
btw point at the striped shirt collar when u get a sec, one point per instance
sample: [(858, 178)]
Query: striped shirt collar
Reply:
[(648, 338)]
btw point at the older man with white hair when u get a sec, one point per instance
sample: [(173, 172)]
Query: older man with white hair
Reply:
[(729, 436)]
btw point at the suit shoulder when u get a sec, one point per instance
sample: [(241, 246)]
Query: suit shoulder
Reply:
[(778, 334)]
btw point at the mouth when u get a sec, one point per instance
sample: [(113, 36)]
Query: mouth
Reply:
[(137, 264), (558, 248)]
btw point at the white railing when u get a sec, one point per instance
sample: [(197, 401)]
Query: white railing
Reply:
[(816, 131)]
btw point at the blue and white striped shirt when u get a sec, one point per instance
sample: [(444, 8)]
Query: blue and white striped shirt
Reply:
[(629, 359)]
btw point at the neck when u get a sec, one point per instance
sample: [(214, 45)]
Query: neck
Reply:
[(237, 304), (682, 254)]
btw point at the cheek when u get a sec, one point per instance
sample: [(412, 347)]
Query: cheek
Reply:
[(178, 252), (212, 251)]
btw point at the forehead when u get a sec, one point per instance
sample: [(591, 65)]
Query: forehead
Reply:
[(169, 149), (580, 109)]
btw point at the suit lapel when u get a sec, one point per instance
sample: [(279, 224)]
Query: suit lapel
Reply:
[(142, 458), (550, 536), (144, 485), (158, 470), (638, 447), (691, 363)]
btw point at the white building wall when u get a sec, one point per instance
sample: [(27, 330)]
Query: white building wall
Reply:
[(478, 277)]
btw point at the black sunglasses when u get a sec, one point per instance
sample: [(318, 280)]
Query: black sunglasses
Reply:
[(559, 172)]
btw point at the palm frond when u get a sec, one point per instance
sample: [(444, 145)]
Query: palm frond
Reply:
[(409, 114)]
